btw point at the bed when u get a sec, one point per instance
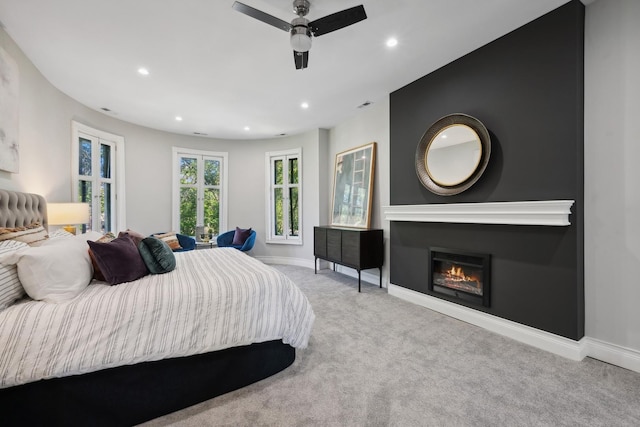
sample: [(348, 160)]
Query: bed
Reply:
[(125, 354)]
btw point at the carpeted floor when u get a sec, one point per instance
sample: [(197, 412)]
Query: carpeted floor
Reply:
[(375, 360)]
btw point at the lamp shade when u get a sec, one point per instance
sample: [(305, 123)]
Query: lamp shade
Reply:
[(68, 213)]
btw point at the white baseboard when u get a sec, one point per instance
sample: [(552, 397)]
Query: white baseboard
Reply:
[(574, 350), (299, 262), (612, 353)]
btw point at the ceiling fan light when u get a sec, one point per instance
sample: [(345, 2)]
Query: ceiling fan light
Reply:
[(300, 42)]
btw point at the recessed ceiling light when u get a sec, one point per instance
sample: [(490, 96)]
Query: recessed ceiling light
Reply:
[(304, 105), (178, 118), (247, 128), (143, 71), (392, 42)]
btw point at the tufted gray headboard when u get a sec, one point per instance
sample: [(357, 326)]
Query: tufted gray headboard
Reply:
[(20, 209)]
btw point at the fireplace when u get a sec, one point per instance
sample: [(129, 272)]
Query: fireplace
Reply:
[(460, 275)]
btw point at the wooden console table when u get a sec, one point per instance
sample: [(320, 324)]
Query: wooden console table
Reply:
[(355, 248)]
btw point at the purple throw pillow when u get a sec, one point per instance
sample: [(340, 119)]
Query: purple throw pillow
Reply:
[(240, 236), (135, 236), (119, 260)]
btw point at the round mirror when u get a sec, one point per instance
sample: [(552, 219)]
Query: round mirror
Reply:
[(452, 154)]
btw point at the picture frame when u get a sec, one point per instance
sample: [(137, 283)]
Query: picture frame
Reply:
[(353, 187)]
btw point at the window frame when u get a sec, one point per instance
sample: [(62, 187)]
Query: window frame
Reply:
[(201, 155), (117, 180), (271, 186)]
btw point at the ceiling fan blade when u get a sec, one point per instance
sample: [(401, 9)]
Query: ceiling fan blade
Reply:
[(337, 20), (301, 59), (261, 16)]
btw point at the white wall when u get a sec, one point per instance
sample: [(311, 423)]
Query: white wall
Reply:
[(612, 175), (45, 163), (369, 125)]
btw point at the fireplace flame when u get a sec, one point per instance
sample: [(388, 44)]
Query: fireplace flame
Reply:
[(457, 273)]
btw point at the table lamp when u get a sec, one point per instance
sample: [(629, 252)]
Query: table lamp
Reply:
[(68, 214)]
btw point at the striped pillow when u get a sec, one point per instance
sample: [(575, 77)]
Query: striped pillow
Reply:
[(33, 234), (170, 239), (60, 233), (10, 287)]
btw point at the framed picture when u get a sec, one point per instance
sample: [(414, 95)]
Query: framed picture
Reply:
[(9, 104), (353, 187)]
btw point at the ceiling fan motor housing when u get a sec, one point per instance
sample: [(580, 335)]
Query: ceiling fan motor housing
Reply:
[(301, 7)]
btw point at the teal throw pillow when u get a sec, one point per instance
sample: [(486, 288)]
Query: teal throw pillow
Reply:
[(157, 255)]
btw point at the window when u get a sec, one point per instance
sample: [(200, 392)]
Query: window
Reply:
[(284, 205), (98, 178), (200, 191)]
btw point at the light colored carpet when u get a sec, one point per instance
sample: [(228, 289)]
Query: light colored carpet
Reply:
[(375, 360)]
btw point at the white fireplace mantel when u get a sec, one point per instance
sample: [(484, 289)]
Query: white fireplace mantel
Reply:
[(539, 212)]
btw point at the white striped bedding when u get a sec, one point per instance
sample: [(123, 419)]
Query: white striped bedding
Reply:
[(214, 299)]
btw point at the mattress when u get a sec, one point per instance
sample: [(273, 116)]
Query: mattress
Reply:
[(214, 299)]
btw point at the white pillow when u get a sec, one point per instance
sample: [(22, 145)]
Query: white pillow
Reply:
[(55, 272), (10, 287)]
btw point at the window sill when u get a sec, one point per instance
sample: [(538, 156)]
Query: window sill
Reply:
[(284, 242)]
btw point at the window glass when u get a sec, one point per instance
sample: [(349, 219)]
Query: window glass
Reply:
[(278, 172), (188, 170), (284, 201), (212, 210), (293, 171), (188, 209), (278, 212), (84, 163), (105, 161), (293, 211), (211, 172), (199, 200)]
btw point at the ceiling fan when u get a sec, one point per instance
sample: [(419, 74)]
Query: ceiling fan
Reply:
[(302, 29)]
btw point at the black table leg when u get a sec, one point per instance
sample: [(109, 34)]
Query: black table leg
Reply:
[(358, 280)]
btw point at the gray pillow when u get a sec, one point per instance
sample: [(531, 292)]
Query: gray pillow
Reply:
[(157, 255)]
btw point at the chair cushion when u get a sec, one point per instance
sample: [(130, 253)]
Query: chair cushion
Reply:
[(170, 239), (240, 236)]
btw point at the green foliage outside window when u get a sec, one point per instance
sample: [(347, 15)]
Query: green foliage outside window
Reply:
[(189, 195), (279, 197)]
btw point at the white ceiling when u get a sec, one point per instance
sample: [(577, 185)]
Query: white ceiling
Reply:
[(221, 70)]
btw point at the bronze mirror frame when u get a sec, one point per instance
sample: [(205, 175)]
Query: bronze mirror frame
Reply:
[(428, 138)]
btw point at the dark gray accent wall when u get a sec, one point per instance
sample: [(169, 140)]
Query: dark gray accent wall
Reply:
[(527, 88)]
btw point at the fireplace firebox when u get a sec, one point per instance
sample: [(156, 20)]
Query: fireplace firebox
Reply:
[(460, 275)]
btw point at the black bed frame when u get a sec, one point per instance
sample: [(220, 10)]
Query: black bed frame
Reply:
[(132, 394)]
